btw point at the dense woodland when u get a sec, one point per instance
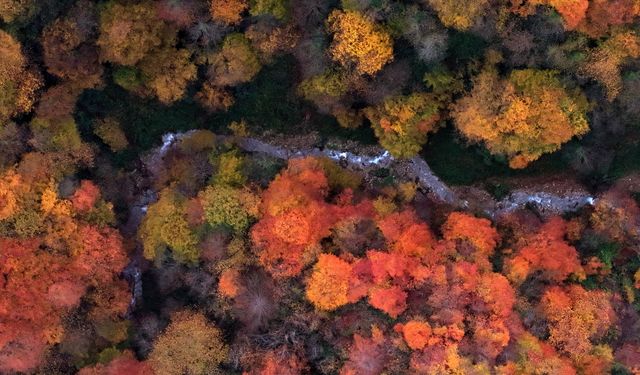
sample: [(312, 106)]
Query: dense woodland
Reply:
[(119, 256)]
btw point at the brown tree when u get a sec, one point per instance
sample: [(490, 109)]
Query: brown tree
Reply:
[(190, 344)]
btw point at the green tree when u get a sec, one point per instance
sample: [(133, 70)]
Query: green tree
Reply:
[(228, 206), (236, 62), (165, 226), (402, 123), (328, 84), (60, 134), (111, 133), (276, 8)]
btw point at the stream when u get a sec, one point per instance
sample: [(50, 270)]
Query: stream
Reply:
[(415, 169)]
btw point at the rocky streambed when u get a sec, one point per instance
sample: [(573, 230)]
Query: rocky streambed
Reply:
[(545, 201)]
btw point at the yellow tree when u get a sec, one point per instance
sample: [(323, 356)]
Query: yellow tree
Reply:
[(189, 345), (458, 14), (214, 98), (329, 283), (12, 10), (603, 63), (522, 117), (18, 85), (129, 32), (358, 41), (12, 63), (230, 207), (167, 72), (402, 123)]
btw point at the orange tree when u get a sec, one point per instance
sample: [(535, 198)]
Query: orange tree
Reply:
[(533, 257), (228, 11), (522, 117), (577, 318), (329, 283), (573, 12)]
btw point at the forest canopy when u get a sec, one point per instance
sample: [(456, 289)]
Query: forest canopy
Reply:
[(352, 187)]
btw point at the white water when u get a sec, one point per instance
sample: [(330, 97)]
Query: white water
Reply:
[(415, 169), (545, 202)]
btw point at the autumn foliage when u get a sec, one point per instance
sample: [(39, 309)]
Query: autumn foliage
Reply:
[(275, 363), (573, 12), (603, 63), (295, 218), (355, 211), (358, 41), (236, 62), (18, 83), (509, 114), (475, 238), (367, 355), (125, 363), (402, 124), (576, 316), (51, 261), (329, 283), (189, 344), (228, 11), (532, 257), (415, 333), (459, 15), (13, 10), (128, 32)]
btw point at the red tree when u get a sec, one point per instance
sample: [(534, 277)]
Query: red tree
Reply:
[(367, 356), (534, 256), (125, 363)]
